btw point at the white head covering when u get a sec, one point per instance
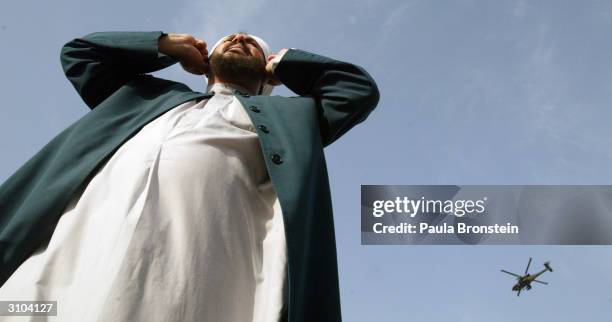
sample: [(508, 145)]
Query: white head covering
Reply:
[(267, 89)]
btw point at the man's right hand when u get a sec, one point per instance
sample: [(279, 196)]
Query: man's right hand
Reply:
[(189, 51)]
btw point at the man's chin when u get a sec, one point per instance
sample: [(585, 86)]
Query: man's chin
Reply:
[(235, 65)]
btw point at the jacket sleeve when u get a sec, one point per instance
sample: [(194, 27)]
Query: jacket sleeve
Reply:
[(100, 63), (345, 93)]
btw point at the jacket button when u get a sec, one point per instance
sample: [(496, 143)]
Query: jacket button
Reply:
[(264, 129), (276, 158), (254, 109)]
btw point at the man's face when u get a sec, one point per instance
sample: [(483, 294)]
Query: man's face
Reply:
[(238, 56)]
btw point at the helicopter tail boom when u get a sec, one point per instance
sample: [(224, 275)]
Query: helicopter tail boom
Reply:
[(547, 265)]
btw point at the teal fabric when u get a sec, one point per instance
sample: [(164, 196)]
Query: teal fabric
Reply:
[(109, 71)]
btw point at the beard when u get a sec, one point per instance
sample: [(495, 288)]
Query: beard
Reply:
[(232, 67)]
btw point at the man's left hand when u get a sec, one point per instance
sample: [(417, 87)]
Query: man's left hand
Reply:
[(273, 60)]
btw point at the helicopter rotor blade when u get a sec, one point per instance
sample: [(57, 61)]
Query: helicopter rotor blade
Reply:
[(515, 275), (528, 263), (541, 282)]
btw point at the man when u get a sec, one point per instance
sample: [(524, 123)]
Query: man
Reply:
[(166, 197)]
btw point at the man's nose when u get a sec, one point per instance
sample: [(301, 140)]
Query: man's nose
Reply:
[(240, 37)]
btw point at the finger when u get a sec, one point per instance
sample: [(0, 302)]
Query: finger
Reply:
[(201, 42), (201, 46), (198, 66), (194, 63), (195, 71), (195, 56), (203, 52), (187, 68), (198, 70), (188, 39)]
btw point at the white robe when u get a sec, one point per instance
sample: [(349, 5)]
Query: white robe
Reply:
[(181, 224)]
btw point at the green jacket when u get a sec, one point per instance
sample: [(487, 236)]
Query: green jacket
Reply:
[(109, 71)]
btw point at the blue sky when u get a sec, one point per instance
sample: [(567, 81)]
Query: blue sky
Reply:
[(472, 92)]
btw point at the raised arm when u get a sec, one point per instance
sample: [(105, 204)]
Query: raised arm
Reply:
[(345, 93), (100, 63)]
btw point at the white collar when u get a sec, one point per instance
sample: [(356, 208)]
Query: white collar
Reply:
[(227, 88)]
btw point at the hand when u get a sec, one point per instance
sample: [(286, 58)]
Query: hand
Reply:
[(271, 78), (189, 51)]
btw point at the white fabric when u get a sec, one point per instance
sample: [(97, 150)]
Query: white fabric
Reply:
[(264, 45), (181, 224)]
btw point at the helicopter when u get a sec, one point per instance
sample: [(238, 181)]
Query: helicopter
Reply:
[(524, 281)]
